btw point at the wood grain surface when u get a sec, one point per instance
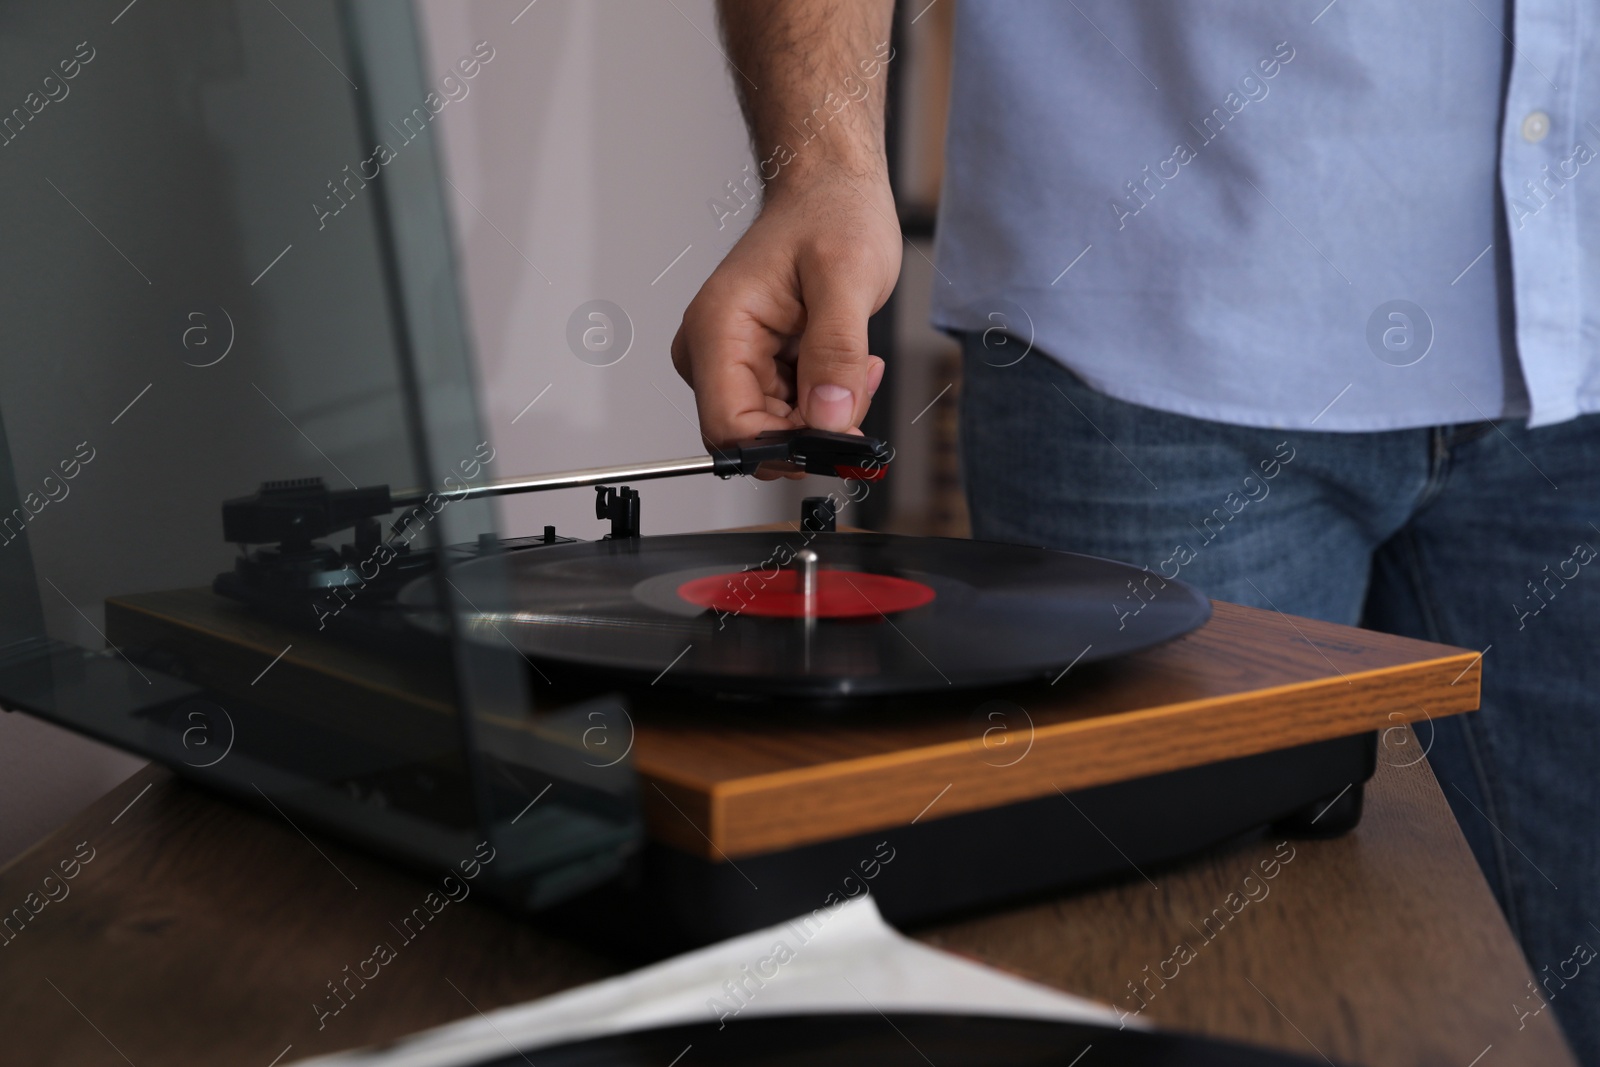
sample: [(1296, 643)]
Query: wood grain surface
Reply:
[(204, 933), (1381, 947), (732, 783)]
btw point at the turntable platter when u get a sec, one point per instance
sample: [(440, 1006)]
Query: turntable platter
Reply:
[(888, 614)]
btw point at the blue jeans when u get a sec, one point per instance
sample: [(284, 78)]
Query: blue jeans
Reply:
[(1483, 536)]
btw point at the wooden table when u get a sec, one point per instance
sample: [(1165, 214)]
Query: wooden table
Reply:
[(201, 933)]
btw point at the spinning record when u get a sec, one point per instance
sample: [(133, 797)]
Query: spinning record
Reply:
[(900, 1039), (878, 614)]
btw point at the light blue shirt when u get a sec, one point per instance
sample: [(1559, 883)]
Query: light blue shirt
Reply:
[(1351, 216)]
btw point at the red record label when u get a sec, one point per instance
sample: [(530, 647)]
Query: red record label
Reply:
[(840, 594)]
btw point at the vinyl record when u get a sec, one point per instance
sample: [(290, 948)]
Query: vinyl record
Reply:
[(888, 614), (899, 1039)]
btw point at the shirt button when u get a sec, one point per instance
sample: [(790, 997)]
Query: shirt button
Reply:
[(1535, 127)]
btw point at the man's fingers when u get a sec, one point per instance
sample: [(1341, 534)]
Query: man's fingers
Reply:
[(726, 353), (784, 320), (874, 377), (834, 366), (680, 358), (731, 402)]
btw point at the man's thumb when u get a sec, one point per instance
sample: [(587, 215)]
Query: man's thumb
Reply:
[(834, 367)]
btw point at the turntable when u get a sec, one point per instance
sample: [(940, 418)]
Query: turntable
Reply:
[(814, 713)]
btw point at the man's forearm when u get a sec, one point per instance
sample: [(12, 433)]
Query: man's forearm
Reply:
[(811, 76)]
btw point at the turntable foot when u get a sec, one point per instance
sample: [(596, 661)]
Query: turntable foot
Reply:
[(1324, 817)]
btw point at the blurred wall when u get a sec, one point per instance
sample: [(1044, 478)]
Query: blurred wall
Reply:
[(582, 163)]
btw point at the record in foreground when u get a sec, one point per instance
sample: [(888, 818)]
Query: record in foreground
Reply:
[(878, 613), (901, 1039)]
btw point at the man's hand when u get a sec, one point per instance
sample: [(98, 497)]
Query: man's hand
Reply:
[(777, 336)]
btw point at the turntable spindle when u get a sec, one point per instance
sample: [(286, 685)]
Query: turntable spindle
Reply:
[(808, 579)]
